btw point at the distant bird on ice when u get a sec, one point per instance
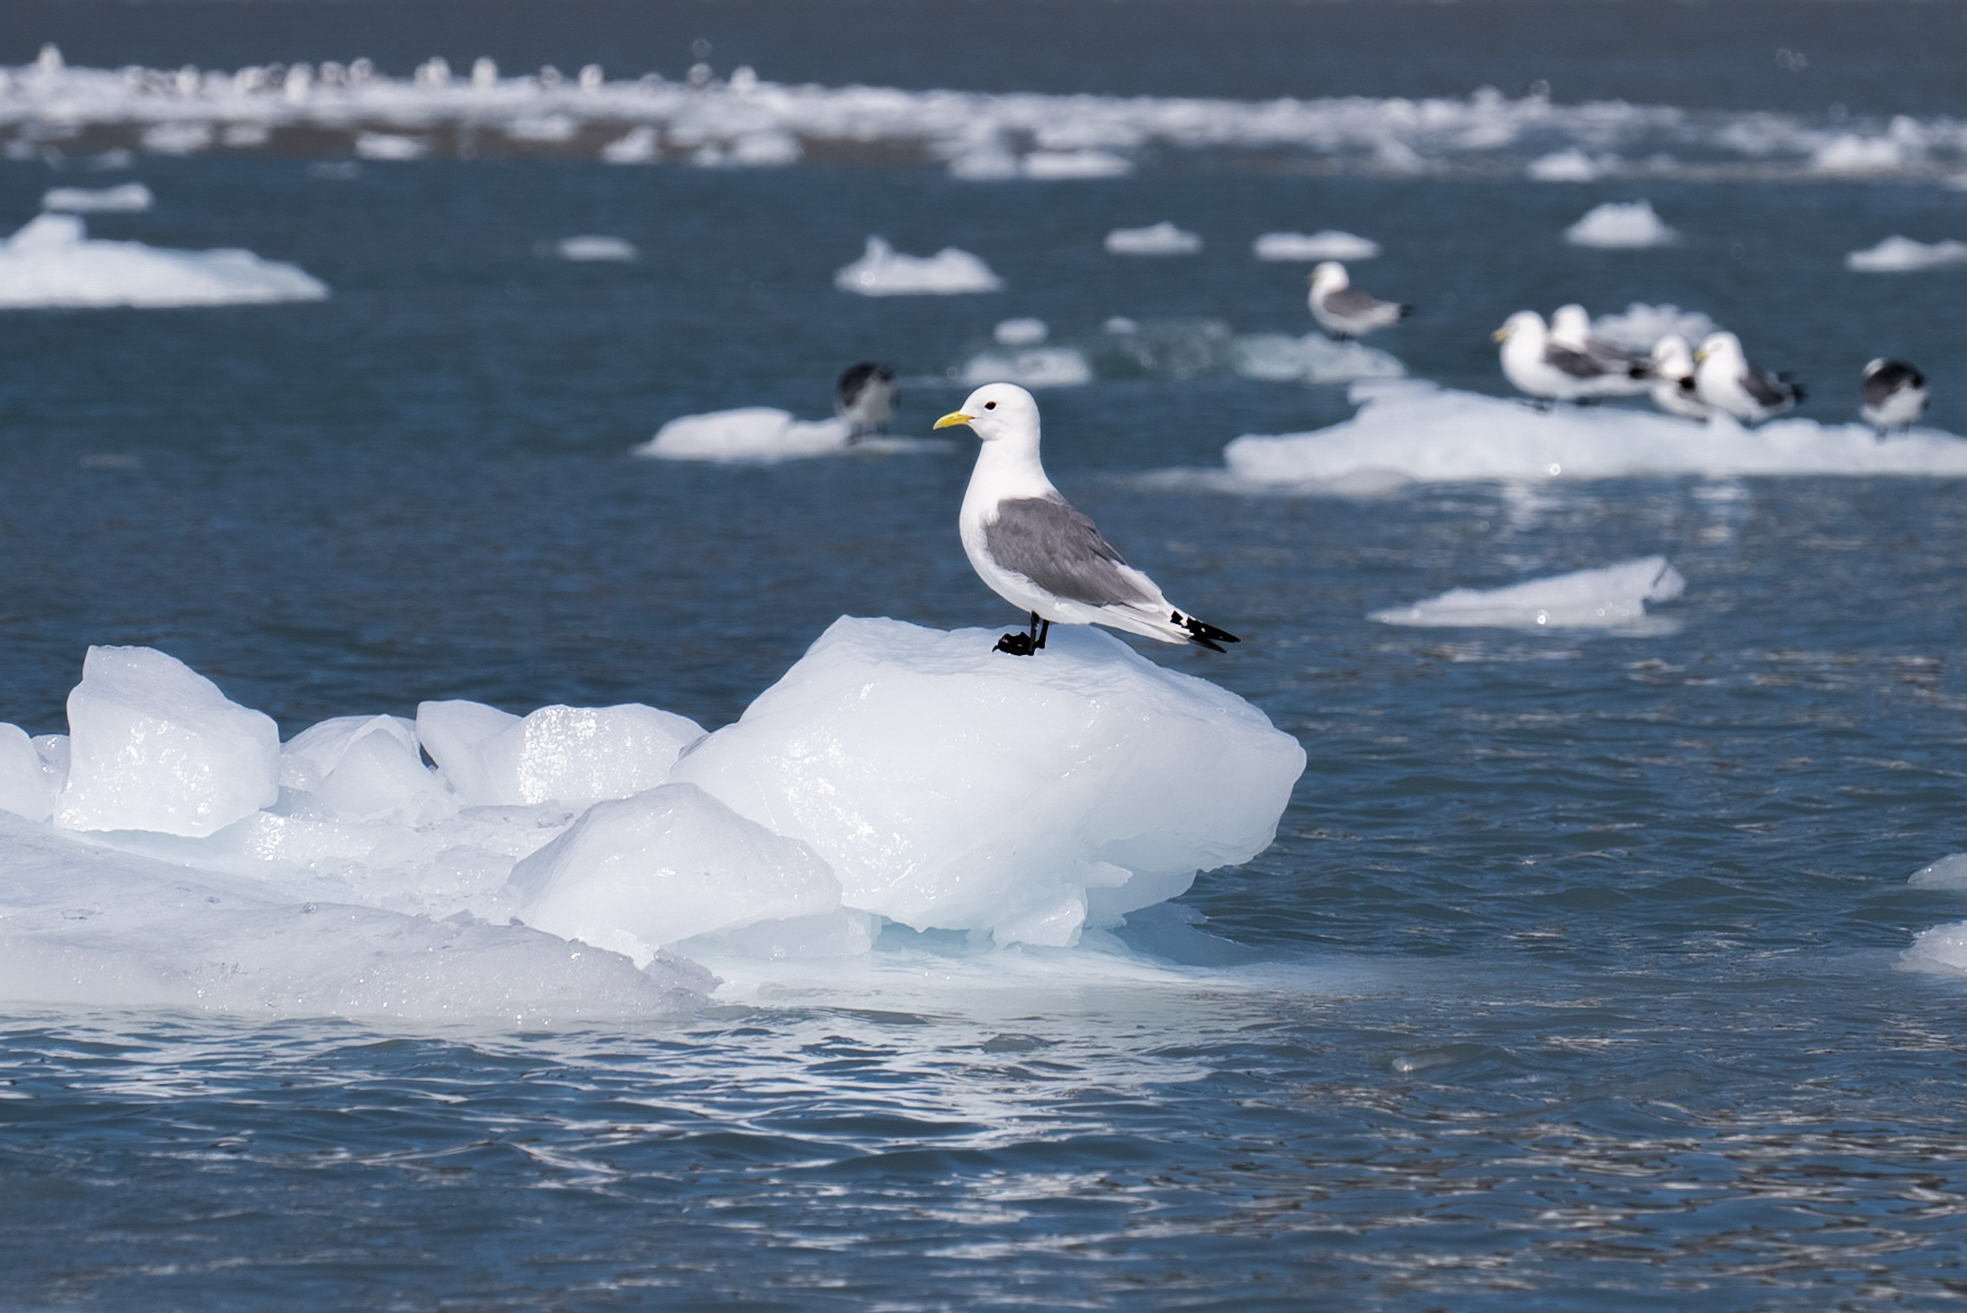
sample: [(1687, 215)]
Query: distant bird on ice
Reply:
[(1725, 380), (1038, 553), (1895, 395), (1343, 310), (1623, 373), (1673, 379), (865, 396), (1548, 372)]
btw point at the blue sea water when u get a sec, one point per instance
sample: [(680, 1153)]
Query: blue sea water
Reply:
[(1569, 983)]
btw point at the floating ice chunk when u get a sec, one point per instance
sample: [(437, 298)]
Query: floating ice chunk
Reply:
[(1941, 951), (390, 146), (557, 754), (365, 768), (1020, 332), (751, 433), (883, 271), (1613, 597), (1052, 165), (950, 786), (52, 262), (1157, 239), (1950, 872), (128, 198), (1437, 434), (666, 865), (1033, 367), (153, 745), (637, 146), (985, 164), (544, 128), (1615, 226), (1850, 153), (176, 138), (1313, 358), (1639, 325), (1896, 255), (1568, 165), (86, 924), (1327, 244), (589, 248), (23, 782)]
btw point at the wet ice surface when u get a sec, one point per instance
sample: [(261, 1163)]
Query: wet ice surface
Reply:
[(1574, 977)]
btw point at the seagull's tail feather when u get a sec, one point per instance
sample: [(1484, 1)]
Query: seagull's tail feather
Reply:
[(1202, 633)]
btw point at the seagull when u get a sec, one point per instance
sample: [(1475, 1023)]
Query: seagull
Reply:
[(864, 396), (1895, 395), (1725, 380), (1343, 310), (1039, 554), (1625, 374), (1673, 379), (1548, 372)]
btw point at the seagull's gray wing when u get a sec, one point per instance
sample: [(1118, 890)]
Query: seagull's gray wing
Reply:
[(1767, 391), (1574, 363), (1048, 542), (1351, 302)]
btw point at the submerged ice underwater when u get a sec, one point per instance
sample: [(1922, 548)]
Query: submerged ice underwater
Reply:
[(379, 924)]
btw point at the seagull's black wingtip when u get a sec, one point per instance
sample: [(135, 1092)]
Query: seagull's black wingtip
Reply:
[(1204, 634)]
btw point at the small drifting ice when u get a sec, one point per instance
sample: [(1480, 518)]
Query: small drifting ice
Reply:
[(591, 248), (1568, 165), (1615, 226), (884, 271), (129, 198), (1329, 244), (1156, 239), (170, 852), (1420, 431), (390, 146), (53, 263), (1612, 598), (751, 434), (1899, 255)]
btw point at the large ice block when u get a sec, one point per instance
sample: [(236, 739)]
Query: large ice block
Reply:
[(556, 754)]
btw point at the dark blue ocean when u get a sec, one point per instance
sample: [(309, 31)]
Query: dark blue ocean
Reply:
[(1571, 982)]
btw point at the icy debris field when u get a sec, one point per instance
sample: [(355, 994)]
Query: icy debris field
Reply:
[(884, 271), (1613, 597), (746, 121), (170, 850), (1418, 431), (53, 262), (1900, 255), (1616, 226)]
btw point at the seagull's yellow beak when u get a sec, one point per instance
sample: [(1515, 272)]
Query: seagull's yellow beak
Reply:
[(1700, 355), (1500, 334), (954, 417)]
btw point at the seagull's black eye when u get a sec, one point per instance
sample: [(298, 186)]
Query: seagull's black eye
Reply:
[(990, 405)]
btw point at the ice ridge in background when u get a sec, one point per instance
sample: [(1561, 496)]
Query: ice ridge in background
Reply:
[(1613, 597), (746, 121), (171, 851)]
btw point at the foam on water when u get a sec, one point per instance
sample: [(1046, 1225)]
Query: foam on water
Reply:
[(53, 262), (1162, 238), (1417, 430), (1897, 255), (1612, 597), (884, 271), (128, 198), (170, 851), (1616, 226), (1326, 244), (746, 120)]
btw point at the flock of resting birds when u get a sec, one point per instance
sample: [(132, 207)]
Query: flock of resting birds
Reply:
[(1564, 361)]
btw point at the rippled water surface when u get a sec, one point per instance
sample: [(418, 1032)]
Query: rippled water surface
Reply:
[(1569, 983)]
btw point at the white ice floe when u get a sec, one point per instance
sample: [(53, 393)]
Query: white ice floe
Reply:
[(1327, 244), (636, 146), (894, 771), (591, 247), (1639, 326), (1021, 332), (53, 262), (949, 787), (1419, 431), (1613, 597), (1568, 165), (1162, 238), (1032, 367), (1616, 226), (390, 146), (126, 199), (763, 435), (1897, 255), (1074, 164), (884, 271)]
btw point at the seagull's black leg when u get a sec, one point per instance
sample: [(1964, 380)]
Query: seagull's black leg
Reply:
[(1044, 630)]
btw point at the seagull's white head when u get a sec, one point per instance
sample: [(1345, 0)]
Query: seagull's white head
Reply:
[(1527, 325), (998, 412), (1329, 276), (1724, 347), (1570, 326), (1672, 357)]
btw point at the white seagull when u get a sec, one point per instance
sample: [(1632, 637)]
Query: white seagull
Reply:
[(1673, 379), (864, 397), (1624, 374), (1895, 395), (1725, 380), (1343, 310), (1549, 372), (1039, 554)]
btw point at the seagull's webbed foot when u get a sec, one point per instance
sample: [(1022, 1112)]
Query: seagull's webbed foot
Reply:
[(1026, 644)]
